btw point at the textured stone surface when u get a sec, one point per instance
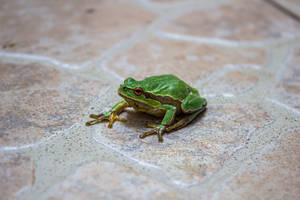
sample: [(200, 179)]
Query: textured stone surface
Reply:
[(274, 174), (166, 1), (158, 56), (70, 30), (288, 88), (245, 20), (63, 60), (16, 172), (104, 180), (36, 101), (231, 83), (195, 152)]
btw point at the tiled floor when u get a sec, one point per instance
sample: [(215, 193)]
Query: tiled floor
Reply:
[(63, 60)]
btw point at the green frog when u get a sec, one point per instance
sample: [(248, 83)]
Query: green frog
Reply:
[(163, 96)]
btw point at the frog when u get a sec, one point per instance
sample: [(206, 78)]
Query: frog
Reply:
[(165, 96)]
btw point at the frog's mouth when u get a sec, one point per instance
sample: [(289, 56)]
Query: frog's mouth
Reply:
[(126, 97), (123, 96)]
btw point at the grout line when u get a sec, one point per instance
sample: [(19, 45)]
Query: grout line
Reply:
[(169, 14), (131, 41), (39, 59), (174, 183), (224, 42), (160, 7), (264, 150), (127, 43), (282, 105), (25, 147), (45, 61), (266, 133), (201, 40), (126, 156), (43, 140)]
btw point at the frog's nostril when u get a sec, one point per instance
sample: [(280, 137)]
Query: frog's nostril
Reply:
[(124, 88)]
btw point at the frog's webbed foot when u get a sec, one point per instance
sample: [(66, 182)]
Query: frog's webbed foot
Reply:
[(111, 117), (159, 130)]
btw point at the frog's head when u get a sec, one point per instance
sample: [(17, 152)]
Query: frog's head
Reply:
[(136, 91)]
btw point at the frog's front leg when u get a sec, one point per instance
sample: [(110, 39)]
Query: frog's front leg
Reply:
[(167, 120), (111, 116)]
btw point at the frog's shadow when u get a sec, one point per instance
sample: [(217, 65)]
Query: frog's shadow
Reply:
[(139, 120)]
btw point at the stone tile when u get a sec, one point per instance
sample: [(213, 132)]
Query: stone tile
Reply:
[(192, 153), (246, 20), (275, 174), (288, 88), (187, 60), (105, 180), (167, 1), (70, 31), (36, 101), (231, 83), (16, 173)]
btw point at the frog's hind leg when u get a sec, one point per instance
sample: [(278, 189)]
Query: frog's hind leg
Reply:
[(179, 124), (192, 103), (183, 121), (167, 120), (192, 106)]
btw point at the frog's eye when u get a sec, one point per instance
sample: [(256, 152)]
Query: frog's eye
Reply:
[(138, 91)]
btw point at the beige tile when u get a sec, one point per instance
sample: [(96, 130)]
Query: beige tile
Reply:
[(187, 60), (275, 174), (246, 20), (231, 83), (37, 101), (167, 1), (16, 172), (104, 180), (194, 152), (70, 31)]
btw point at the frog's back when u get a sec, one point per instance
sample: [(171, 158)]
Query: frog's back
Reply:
[(167, 85)]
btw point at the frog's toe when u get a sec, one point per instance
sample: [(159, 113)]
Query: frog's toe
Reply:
[(159, 135), (96, 121), (152, 132), (114, 117), (111, 121), (121, 119), (96, 116), (157, 130), (152, 125)]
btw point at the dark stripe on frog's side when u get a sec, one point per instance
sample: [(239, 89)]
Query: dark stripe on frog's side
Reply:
[(165, 100), (161, 99), (143, 107)]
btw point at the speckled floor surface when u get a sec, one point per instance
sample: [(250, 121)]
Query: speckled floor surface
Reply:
[(63, 60)]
